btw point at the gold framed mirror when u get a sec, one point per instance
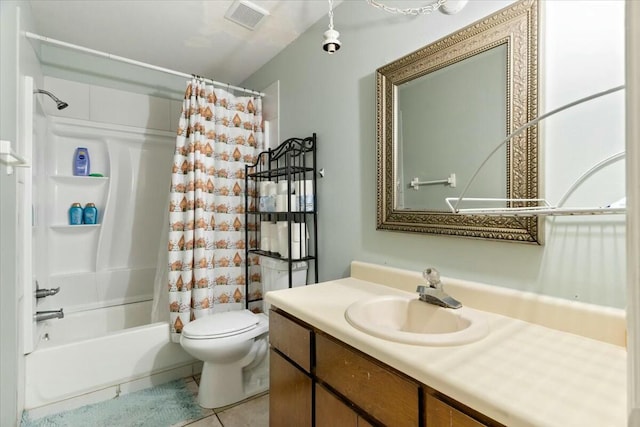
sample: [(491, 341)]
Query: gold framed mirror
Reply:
[(442, 109)]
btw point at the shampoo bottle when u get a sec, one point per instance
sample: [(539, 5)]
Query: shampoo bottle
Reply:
[(90, 214), (75, 214), (81, 164)]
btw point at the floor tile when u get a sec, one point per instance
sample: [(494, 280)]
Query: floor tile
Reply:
[(192, 386), (210, 421), (252, 413)]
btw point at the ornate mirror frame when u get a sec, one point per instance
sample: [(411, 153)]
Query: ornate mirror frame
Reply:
[(517, 27)]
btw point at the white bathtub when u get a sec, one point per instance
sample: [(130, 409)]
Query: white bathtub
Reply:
[(92, 350)]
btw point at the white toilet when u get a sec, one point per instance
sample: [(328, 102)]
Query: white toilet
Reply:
[(234, 347)]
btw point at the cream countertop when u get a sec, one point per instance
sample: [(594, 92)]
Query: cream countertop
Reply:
[(521, 374)]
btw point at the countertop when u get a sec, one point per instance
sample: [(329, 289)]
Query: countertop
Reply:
[(521, 374)]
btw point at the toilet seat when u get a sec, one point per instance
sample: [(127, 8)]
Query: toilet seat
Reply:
[(220, 325)]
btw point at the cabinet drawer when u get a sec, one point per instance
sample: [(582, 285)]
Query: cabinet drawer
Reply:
[(374, 388), (291, 339)]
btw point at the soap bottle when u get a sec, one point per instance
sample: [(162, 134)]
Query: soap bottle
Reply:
[(90, 214), (81, 163), (75, 214)]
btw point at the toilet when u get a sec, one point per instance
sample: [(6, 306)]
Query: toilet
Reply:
[(234, 348)]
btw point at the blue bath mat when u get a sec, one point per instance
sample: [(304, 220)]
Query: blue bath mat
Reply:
[(160, 406)]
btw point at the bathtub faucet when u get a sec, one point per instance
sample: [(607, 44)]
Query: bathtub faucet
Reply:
[(41, 293), (49, 314)]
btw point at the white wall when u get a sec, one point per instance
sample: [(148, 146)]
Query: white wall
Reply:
[(581, 52), (8, 303), (81, 67), (16, 61), (131, 139)]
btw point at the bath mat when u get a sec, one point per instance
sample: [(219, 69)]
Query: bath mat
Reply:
[(159, 406)]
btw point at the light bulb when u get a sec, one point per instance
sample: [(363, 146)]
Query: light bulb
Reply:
[(331, 43)]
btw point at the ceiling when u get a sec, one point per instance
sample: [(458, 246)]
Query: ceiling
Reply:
[(188, 36)]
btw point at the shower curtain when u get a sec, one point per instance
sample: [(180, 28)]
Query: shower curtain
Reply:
[(218, 133)]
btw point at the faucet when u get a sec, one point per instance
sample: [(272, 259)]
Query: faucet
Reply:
[(49, 314), (41, 293), (434, 294)]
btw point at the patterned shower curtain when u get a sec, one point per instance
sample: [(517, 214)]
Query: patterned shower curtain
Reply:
[(218, 134)]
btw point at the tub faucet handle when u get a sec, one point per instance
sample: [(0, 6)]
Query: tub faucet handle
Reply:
[(41, 293)]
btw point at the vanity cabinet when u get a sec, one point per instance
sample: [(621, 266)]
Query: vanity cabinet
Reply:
[(317, 380)]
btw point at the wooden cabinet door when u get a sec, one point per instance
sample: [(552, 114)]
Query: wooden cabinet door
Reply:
[(290, 395), (331, 411), (439, 414), (363, 423)]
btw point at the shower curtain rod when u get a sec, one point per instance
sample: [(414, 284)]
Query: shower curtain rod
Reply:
[(134, 62)]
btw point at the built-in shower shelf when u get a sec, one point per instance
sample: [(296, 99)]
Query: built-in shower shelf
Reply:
[(72, 179), (64, 227)]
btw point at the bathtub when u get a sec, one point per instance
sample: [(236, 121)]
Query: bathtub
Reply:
[(92, 350)]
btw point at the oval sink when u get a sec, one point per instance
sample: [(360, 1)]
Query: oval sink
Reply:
[(411, 321)]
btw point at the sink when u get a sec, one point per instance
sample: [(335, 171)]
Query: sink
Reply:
[(411, 321)]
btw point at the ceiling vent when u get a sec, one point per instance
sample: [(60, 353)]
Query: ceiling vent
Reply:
[(245, 13)]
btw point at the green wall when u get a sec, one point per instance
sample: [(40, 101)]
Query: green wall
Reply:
[(334, 96)]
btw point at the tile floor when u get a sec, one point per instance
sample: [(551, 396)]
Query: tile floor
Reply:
[(253, 412)]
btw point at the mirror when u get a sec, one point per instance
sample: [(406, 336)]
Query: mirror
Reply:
[(442, 109), (433, 102)]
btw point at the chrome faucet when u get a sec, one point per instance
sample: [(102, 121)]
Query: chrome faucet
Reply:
[(41, 293), (433, 293), (49, 314)]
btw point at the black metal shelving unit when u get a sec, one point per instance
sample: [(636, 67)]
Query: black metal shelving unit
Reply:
[(293, 161)]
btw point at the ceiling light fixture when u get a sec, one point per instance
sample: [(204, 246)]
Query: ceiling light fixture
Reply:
[(451, 7), (331, 43), (422, 10)]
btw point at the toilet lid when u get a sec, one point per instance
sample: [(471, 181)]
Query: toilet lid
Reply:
[(220, 325)]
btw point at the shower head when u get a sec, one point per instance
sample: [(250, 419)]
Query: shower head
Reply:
[(61, 104)]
